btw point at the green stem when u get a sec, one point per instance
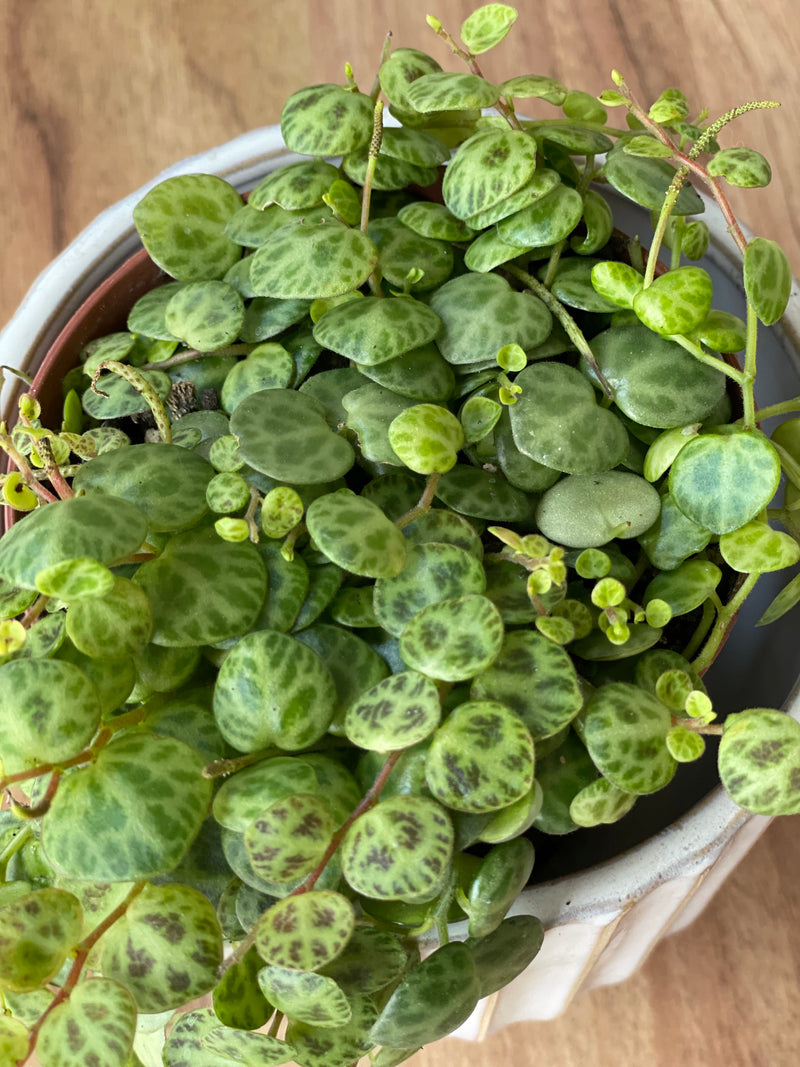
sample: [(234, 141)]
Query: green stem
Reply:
[(749, 375), (191, 354), (559, 312), (785, 407), (142, 386), (15, 844), (706, 357), (663, 219), (723, 624), (22, 465), (790, 466)]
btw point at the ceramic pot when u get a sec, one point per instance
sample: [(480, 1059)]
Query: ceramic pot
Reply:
[(608, 895)]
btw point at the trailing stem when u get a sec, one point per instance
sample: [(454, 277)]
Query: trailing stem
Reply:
[(725, 619)]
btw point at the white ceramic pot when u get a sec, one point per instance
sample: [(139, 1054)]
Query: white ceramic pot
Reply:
[(610, 894)]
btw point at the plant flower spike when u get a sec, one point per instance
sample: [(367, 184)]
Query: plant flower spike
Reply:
[(396, 528)]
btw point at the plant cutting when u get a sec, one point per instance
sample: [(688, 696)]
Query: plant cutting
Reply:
[(400, 524)]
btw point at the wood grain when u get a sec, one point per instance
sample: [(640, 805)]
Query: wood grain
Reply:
[(97, 96)]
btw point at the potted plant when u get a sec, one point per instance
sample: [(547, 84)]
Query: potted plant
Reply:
[(392, 524)]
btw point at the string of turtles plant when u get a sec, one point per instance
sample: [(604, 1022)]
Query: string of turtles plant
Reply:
[(390, 528)]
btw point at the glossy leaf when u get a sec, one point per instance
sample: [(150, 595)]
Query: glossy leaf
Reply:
[(483, 494), (722, 481), (546, 221), (38, 930), (312, 260), (273, 690), (75, 578), (722, 331), (759, 755), (757, 547), (529, 86), (398, 712), (536, 679), (111, 625), (490, 250), (431, 1001), (49, 712), (487, 26), (407, 260), (434, 220), (238, 1000), (686, 587), (205, 315), (355, 534), (421, 374), (506, 952), (502, 875), (269, 366), (165, 949), (625, 731), (305, 996), (556, 417), (307, 931), (374, 330), (399, 850), (646, 181), (562, 775), (181, 223), (617, 282), (743, 167), (131, 814), (453, 639), (295, 186), (676, 302), (427, 438), (326, 120), (767, 279), (539, 184), (96, 1024), (480, 758), (600, 802)]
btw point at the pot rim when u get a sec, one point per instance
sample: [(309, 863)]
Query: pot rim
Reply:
[(689, 844)]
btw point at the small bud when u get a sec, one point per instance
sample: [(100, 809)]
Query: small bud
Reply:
[(434, 23)]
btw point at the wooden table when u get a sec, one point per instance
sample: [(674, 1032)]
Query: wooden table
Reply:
[(97, 96)]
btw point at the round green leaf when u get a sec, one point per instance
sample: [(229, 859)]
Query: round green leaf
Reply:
[(284, 434), (356, 535), (104, 528), (434, 220), (490, 250), (353, 664), (481, 758), (757, 547), (289, 839), (600, 802), (767, 279), (205, 315), (446, 91), (167, 483), (540, 184), (49, 711), (374, 330), (617, 282), (165, 949), (305, 996), (202, 589), (487, 169), (546, 221), (307, 931), (744, 167), (390, 173), (233, 1046), (311, 260), (427, 438), (625, 731), (558, 422), (536, 679), (504, 954), (722, 331), (131, 814), (181, 223), (398, 712), (326, 120), (487, 26), (96, 1024), (686, 587), (421, 374), (117, 398), (38, 930), (295, 186), (273, 690), (655, 381), (247, 793), (454, 639), (722, 481), (113, 624), (73, 579), (676, 302), (589, 510), (646, 181), (483, 494), (399, 850), (759, 756)]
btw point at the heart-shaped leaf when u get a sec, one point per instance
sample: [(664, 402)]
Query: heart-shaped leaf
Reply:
[(96, 1024), (205, 315), (399, 850), (427, 438), (131, 814), (181, 222), (111, 625), (617, 282), (273, 690), (722, 481), (558, 422), (488, 168), (326, 120), (311, 260), (536, 679), (481, 313)]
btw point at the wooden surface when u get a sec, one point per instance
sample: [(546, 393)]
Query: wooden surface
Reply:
[(97, 96)]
